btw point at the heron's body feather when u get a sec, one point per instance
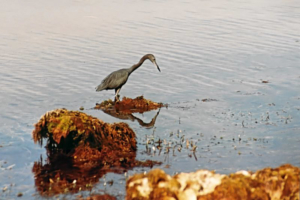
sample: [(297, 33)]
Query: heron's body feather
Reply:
[(114, 80)]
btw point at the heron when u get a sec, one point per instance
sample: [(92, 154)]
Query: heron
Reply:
[(118, 78)]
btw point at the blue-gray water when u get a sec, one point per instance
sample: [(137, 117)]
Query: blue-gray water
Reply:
[(54, 53)]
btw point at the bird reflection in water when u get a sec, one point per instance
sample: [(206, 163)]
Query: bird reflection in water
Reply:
[(130, 116)]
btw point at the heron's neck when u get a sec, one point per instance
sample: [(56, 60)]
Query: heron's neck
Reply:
[(134, 67)]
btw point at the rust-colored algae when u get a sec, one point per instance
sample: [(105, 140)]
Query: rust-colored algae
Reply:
[(80, 150), (238, 186), (128, 105), (282, 182), (100, 197), (67, 130), (277, 183)]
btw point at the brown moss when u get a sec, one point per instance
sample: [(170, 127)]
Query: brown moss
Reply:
[(69, 129), (128, 105), (237, 186), (80, 150), (282, 182), (277, 183), (100, 197), (149, 183)]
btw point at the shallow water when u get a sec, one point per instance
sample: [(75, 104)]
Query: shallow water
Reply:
[(53, 54)]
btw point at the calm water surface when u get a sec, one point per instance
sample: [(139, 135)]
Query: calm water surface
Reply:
[(54, 53)]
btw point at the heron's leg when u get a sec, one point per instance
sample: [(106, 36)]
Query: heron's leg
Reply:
[(117, 92)]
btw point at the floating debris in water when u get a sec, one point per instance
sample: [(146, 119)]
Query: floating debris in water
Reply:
[(4, 189), (187, 143), (10, 167), (179, 149), (208, 100), (153, 149), (194, 148)]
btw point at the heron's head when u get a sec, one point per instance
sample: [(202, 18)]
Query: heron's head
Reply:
[(153, 60)]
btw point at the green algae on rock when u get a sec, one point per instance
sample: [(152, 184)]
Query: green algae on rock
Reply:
[(277, 183)]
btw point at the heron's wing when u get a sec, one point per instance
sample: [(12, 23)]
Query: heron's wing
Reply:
[(114, 80)]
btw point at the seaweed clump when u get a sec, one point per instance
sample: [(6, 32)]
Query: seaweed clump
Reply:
[(67, 130), (128, 105), (278, 183), (80, 150), (100, 197)]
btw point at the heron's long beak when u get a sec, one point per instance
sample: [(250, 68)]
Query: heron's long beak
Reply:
[(156, 66)]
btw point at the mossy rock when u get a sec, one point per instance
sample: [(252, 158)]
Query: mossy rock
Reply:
[(67, 130), (128, 105), (270, 183)]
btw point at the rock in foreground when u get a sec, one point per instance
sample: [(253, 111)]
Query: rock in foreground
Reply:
[(81, 149), (277, 183), (66, 130)]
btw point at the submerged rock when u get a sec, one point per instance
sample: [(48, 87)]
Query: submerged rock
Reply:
[(128, 105), (80, 150), (278, 183)]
